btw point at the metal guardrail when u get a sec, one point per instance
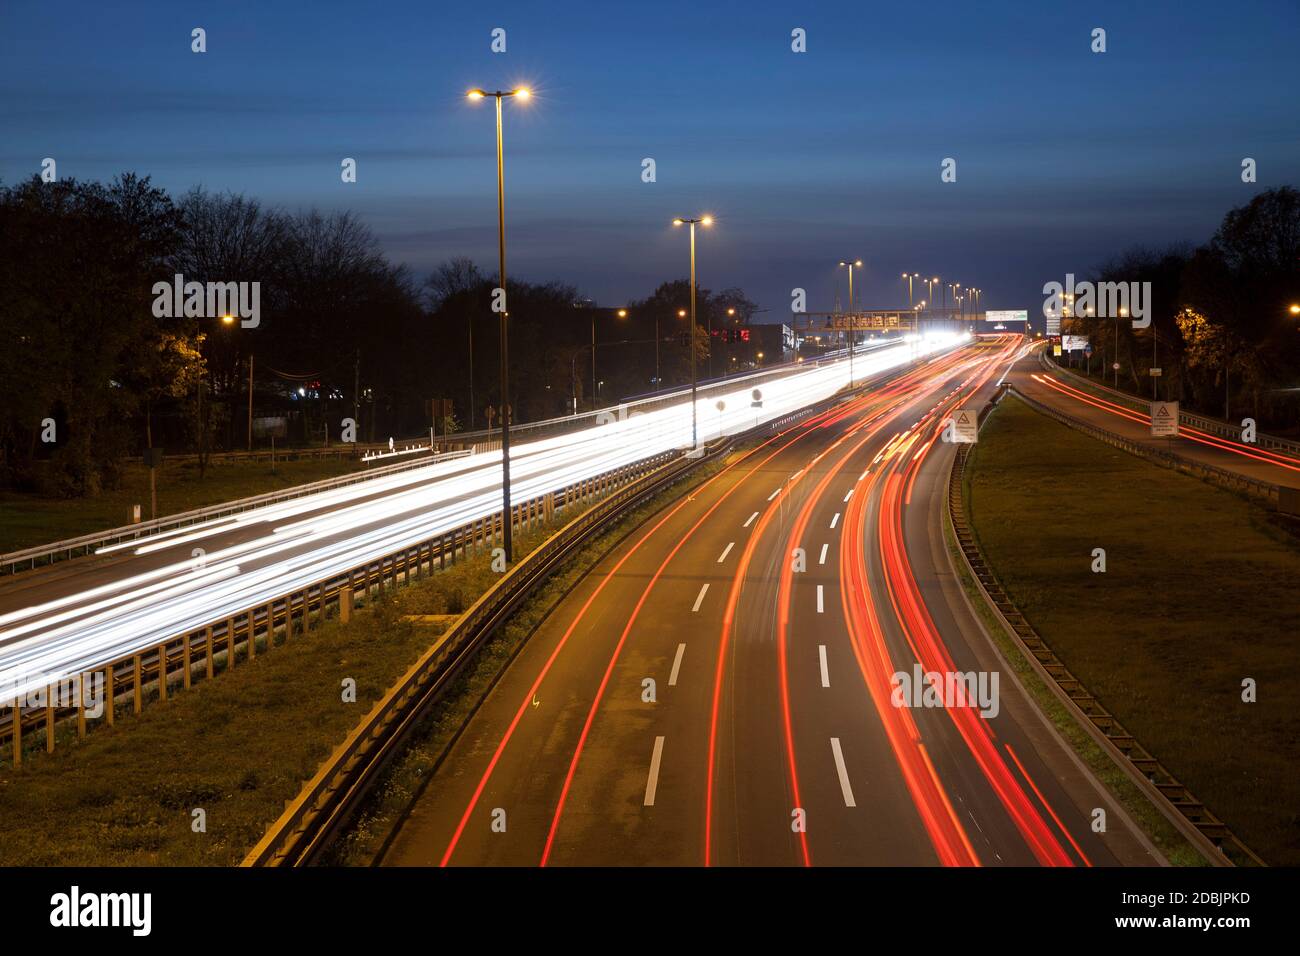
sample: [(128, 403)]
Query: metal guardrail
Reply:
[(1175, 801), (86, 543), (1214, 426), (177, 658), (1220, 476)]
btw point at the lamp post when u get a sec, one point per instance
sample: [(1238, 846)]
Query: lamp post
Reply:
[(929, 288), (229, 320), (910, 277), (852, 336), (703, 221), (506, 530)]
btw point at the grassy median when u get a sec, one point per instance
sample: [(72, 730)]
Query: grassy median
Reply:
[(1198, 595), (28, 520)]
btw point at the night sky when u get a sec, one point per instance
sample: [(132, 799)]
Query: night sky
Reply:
[(1064, 157)]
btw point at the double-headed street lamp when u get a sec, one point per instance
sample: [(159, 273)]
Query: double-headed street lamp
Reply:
[(703, 221), (507, 536), (929, 288)]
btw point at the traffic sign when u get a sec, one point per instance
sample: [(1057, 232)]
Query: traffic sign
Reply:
[(965, 426), (1164, 419), (1157, 372)]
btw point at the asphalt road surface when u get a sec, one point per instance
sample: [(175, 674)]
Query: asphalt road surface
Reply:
[(720, 690)]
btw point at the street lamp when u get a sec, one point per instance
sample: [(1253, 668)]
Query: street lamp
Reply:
[(521, 93), (229, 320), (703, 221), (929, 287), (852, 337), (910, 277)]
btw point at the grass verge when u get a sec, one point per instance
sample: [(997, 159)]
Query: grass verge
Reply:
[(28, 520), (1198, 595)]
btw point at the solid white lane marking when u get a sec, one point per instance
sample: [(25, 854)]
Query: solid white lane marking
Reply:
[(835, 520), (826, 673), (849, 495), (652, 781), (821, 608), (677, 662), (726, 551), (839, 768), (822, 559), (700, 598), (751, 519), (773, 494)]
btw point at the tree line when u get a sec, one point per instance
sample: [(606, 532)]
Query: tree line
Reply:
[(90, 376), (1222, 331)]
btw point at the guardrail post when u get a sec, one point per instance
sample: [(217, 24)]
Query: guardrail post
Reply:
[(230, 643), (162, 671), (139, 692), (18, 732), (186, 660), (81, 704), (49, 719), (345, 603), (208, 632), (108, 693)]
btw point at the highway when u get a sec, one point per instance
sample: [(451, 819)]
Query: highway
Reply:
[(719, 690), (1060, 392), (80, 615)]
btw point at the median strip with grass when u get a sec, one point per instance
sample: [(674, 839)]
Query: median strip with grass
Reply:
[(1197, 596)]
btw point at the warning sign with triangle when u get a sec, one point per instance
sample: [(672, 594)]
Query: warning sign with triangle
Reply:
[(1164, 419), (965, 425)]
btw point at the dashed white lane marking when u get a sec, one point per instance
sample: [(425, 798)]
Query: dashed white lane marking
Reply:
[(677, 661), (821, 607), (822, 559), (773, 494), (839, 768), (726, 551), (652, 781), (861, 476), (751, 519), (849, 495), (821, 656), (835, 520), (699, 599)]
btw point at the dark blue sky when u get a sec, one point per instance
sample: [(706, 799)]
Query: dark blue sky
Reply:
[(1063, 156)]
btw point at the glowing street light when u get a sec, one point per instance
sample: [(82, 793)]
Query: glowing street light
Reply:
[(703, 221), (852, 336), (521, 93)]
